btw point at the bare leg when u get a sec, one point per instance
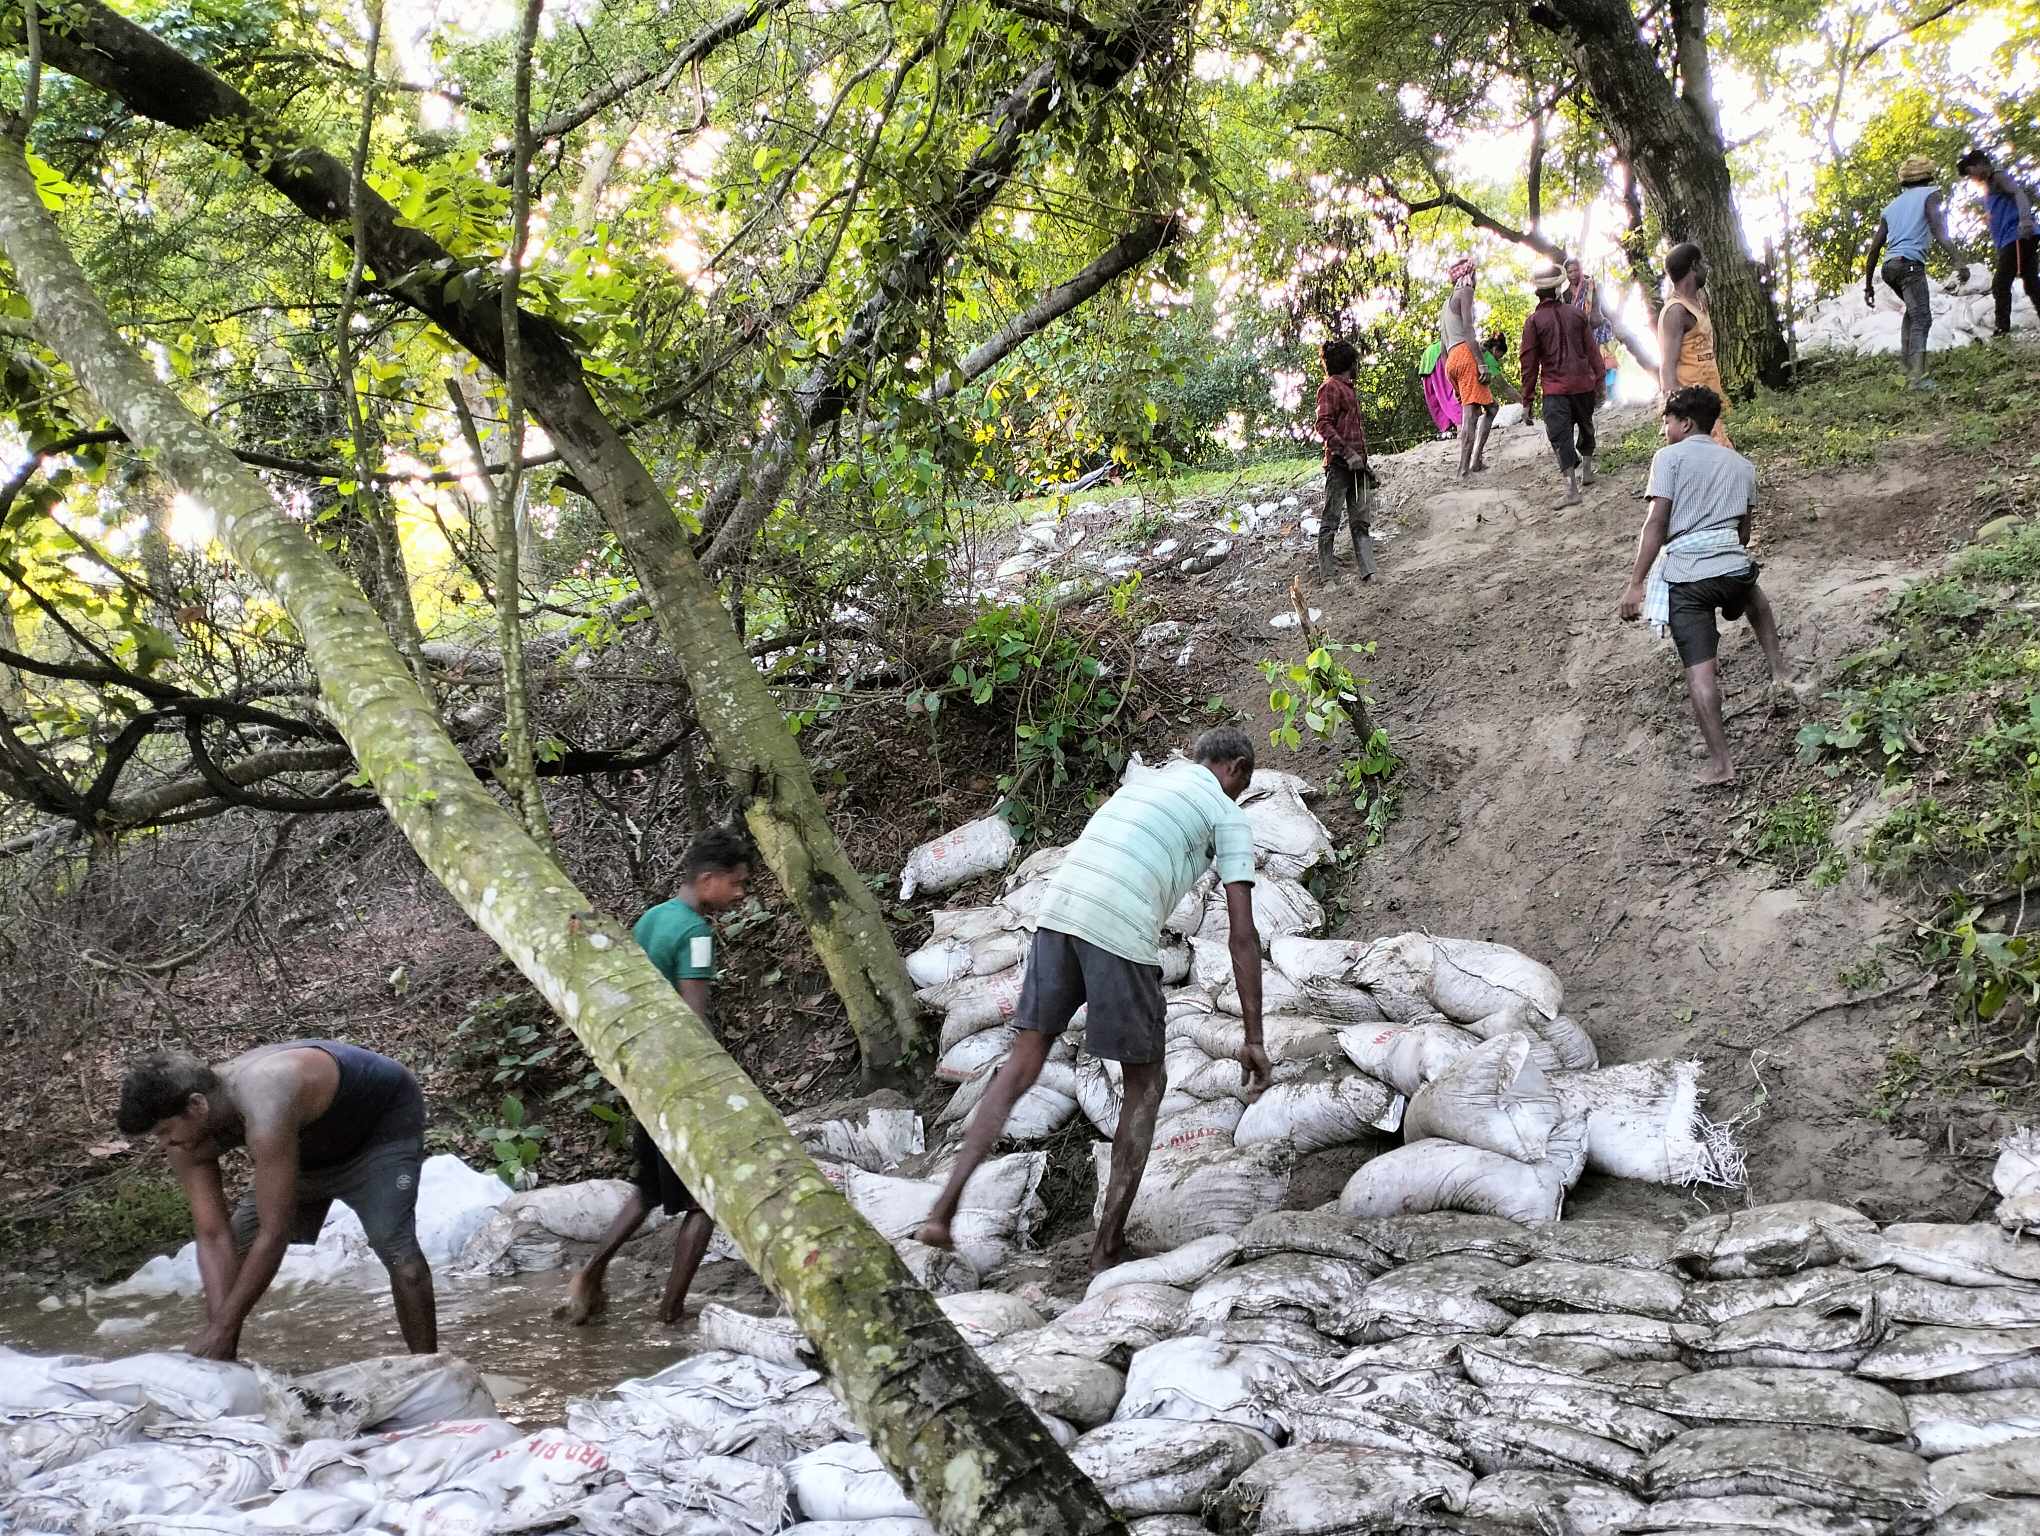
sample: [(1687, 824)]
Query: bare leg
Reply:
[(417, 1308), (987, 1125), (1468, 430), (689, 1244), (1765, 623), (1704, 686), (1144, 1083), (1363, 533), (1480, 436), (585, 1301)]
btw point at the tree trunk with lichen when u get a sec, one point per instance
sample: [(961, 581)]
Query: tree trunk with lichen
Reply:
[(976, 1460)]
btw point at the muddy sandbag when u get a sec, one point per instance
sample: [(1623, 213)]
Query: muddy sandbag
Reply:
[(178, 1468), (1721, 1301), (874, 1137), (998, 1213), (1338, 1418), (177, 1385), (1644, 1122), (938, 1271), (1183, 1267), (1812, 1399), (1067, 1386), (2016, 1177), (1288, 838), (778, 1339), (1766, 1240), (1282, 909), (1493, 1098), (1328, 973), (940, 864), (1165, 1467), (1325, 1291), (1746, 1514), (1407, 1239), (898, 1525), (1517, 1361), (975, 1003), (1116, 1324), (1910, 1299), (405, 1464), (1432, 1296), (34, 1440), (1327, 1231), (1629, 1338), (1285, 1038), (1426, 1366), (1986, 1517), (1824, 1337), (1549, 1283), (388, 1393), (1506, 1443), (1957, 1253), (1542, 1501), (1328, 1108), (1814, 1466), (2007, 1471), (1406, 1056), (847, 1481), (1197, 1192), (1438, 1175), (983, 1316), (1211, 1124), (1206, 1381), (944, 960), (1951, 1423), (1628, 1244), (1472, 979), (968, 1057), (1333, 1490), (1608, 1413), (1956, 1359), (1297, 1341)]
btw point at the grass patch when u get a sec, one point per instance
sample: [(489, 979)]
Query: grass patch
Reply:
[(105, 1232)]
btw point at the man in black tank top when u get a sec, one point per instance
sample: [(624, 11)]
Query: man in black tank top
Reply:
[(321, 1121)]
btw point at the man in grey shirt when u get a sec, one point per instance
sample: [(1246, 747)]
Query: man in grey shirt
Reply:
[(1702, 498)]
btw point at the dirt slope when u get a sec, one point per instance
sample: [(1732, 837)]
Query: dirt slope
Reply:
[(1549, 803)]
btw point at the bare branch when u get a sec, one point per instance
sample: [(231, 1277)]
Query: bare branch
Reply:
[(731, 24)]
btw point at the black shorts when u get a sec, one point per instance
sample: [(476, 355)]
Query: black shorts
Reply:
[(1125, 1012), (379, 1183), (657, 1181), (1692, 609)]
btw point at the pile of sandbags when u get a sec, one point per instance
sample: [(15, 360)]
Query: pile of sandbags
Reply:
[(1962, 315), (1788, 1368)]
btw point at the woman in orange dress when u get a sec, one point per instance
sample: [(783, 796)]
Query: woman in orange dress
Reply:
[(1686, 335)]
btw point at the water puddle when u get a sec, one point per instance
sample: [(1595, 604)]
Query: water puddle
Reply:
[(503, 1326)]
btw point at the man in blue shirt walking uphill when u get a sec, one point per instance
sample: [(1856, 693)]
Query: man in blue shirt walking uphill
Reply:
[(1097, 947), (1911, 222), (676, 935), (2010, 208)]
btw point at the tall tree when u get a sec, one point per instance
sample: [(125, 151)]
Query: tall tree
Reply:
[(974, 1458)]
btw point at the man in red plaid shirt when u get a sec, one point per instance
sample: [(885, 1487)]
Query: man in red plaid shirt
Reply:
[(1348, 479)]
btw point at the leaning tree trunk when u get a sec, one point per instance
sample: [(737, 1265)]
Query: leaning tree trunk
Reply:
[(973, 1457), (751, 742), (1679, 159)]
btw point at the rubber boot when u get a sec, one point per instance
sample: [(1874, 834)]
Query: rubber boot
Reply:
[(1327, 540)]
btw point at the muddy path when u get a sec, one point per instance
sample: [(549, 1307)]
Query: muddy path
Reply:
[(1548, 799)]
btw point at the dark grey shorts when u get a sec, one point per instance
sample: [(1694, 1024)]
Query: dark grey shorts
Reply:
[(1692, 608), (379, 1184), (1125, 1012), (657, 1182)]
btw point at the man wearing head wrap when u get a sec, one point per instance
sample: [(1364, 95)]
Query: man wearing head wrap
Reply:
[(2009, 207), (1467, 370), (1558, 346), (1911, 222)]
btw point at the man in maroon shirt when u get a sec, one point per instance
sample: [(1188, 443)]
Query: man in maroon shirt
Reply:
[(1558, 343), (1347, 477)]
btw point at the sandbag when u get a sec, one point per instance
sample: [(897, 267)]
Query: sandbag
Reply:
[(1749, 1514), (714, 1399), (1288, 838), (1328, 973), (847, 1481), (393, 1392), (983, 1316), (975, 848), (1971, 1254), (41, 1439), (974, 1003), (1532, 1501), (1825, 1337), (2017, 1180), (1328, 1108), (1198, 1192), (1116, 1324), (1357, 1418), (1070, 1387), (1284, 1038), (1814, 1466), (1331, 1490), (1909, 1299), (1586, 1288), (1282, 909), (1471, 979), (1327, 1231), (1506, 1443), (1432, 1296), (177, 1385), (407, 1463), (1627, 1244), (896, 1525), (875, 1137), (1409, 1238), (996, 1217), (2007, 1471), (1628, 1338), (1766, 1240), (1205, 1381), (938, 1271), (1644, 1122), (1607, 1411), (1445, 1176), (778, 1339), (1515, 1361), (1326, 1291), (1492, 1098), (1812, 1399), (1721, 1301), (983, 947), (1951, 1423), (1183, 1267), (1956, 1359), (1556, 1045), (1213, 1123), (973, 1053), (1165, 1467), (1294, 1340), (173, 1469), (1406, 1056)]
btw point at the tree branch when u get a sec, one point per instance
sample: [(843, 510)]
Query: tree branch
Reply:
[(1909, 28)]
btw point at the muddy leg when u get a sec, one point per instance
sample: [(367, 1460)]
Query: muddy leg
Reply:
[(585, 1301), (1704, 685), (417, 1308), (689, 1245), (1765, 623), (987, 1124), (1480, 435), (1144, 1083)]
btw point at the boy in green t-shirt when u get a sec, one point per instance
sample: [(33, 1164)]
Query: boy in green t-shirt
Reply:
[(676, 935)]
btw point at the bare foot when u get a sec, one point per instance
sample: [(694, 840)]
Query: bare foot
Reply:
[(935, 1234), (671, 1316), (1103, 1258), (1478, 469), (585, 1302), (1715, 776), (1569, 499)]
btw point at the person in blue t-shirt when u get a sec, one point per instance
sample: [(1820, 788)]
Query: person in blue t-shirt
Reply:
[(1911, 223), (2010, 207), (677, 937)]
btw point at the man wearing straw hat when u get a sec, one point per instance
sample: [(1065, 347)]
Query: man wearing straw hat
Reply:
[(1463, 365), (1912, 222), (1558, 344)]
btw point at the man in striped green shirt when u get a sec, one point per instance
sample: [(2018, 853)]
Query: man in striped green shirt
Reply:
[(1097, 947)]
